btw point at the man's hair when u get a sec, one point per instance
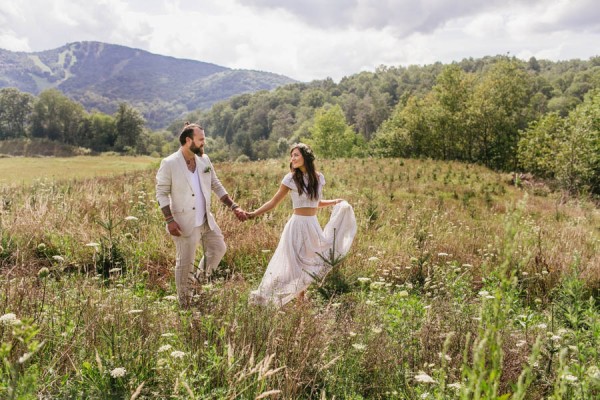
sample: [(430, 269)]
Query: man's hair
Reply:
[(188, 132)]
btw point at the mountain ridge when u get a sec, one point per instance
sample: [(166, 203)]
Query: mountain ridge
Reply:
[(102, 75)]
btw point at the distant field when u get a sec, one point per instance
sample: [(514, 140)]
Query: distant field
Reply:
[(24, 170)]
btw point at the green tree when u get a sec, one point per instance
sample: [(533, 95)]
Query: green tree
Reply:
[(129, 125), (15, 110), (539, 143), (498, 111), (331, 136), (56, 117)]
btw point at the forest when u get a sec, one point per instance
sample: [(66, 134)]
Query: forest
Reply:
[(537, 116)]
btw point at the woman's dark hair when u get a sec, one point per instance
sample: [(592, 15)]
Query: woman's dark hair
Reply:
[(188, 132), (311, 188)]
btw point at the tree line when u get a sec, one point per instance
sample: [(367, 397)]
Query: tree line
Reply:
[(511, 115), (53, 116)]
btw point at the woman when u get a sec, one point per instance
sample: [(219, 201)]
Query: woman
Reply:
[(297, 259)]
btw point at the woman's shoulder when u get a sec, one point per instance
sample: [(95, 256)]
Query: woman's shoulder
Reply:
[(288, 179)]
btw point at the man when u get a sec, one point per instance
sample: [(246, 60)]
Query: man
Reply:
[(183, 188)]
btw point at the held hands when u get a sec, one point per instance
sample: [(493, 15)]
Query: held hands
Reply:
[(240, 214)]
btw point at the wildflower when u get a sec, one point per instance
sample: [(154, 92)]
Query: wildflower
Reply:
[(542, 326), (359, 346), (8, 319), (58, 258), (352, 334), (163, 348), (594, 373), (377, 285), (364, 280), (403, 293), (570, 378), (177, 354), (446, 356), (521, 343), (424, 378), (455, 385), (442, 254), (43, 272), (41, 246), (555, 338), (484, 293), (24, 357), (131, 218), (135, 311), (118, 372), (376, 329)]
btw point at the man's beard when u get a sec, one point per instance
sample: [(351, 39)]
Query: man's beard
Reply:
[(197, 150)]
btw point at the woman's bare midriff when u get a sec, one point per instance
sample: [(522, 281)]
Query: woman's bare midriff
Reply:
[(306, 211)]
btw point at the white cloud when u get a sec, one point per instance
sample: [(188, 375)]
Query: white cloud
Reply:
[(311, 39)]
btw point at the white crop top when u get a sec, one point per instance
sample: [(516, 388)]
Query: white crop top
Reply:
[(302, 200)]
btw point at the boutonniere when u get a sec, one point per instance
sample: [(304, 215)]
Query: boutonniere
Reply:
[(206, 170)]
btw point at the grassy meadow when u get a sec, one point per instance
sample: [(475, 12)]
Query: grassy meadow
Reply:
[(26, 170), (459, 285)]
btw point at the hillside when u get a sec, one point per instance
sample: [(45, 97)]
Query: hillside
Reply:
[(100, 76)]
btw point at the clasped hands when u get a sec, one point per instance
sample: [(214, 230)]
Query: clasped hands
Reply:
[(242, 215)]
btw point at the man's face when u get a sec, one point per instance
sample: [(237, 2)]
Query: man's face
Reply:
[(197, 145)]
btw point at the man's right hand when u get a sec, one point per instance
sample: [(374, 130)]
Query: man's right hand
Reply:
[(173, 228)]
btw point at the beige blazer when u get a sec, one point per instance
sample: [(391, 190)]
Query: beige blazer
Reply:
[(174, 188)]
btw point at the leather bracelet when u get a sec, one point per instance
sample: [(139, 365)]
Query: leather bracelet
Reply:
[(233, 206), (169, 220)]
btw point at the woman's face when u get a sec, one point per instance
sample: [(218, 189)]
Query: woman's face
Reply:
[(296, 159)]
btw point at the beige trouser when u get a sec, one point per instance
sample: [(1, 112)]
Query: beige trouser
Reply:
[(214, 247)]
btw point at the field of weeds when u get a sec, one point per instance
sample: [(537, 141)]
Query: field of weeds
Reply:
[(459, 285)]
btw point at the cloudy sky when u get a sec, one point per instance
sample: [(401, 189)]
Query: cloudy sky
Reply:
[(312, 39)]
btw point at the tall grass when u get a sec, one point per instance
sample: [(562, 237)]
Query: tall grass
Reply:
[(459, 285)]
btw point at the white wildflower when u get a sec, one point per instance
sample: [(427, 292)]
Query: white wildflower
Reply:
[(165, 347), (376, 329), (351, 334), (24, 357), (483, 293), (425, 395), (542, 326), (359, 346), (131, 218), (8, 319), (118, 372), (455, 385), (442, 254), (424, 378), (403, 293), (555, 338), (58, 258), (570, 378), (521, 343), (364, 280), (177, 354)]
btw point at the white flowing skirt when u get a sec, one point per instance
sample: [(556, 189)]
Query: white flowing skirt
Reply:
[(296, 260)]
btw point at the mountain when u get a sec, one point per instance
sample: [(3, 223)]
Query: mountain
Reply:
[(100, 76)]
